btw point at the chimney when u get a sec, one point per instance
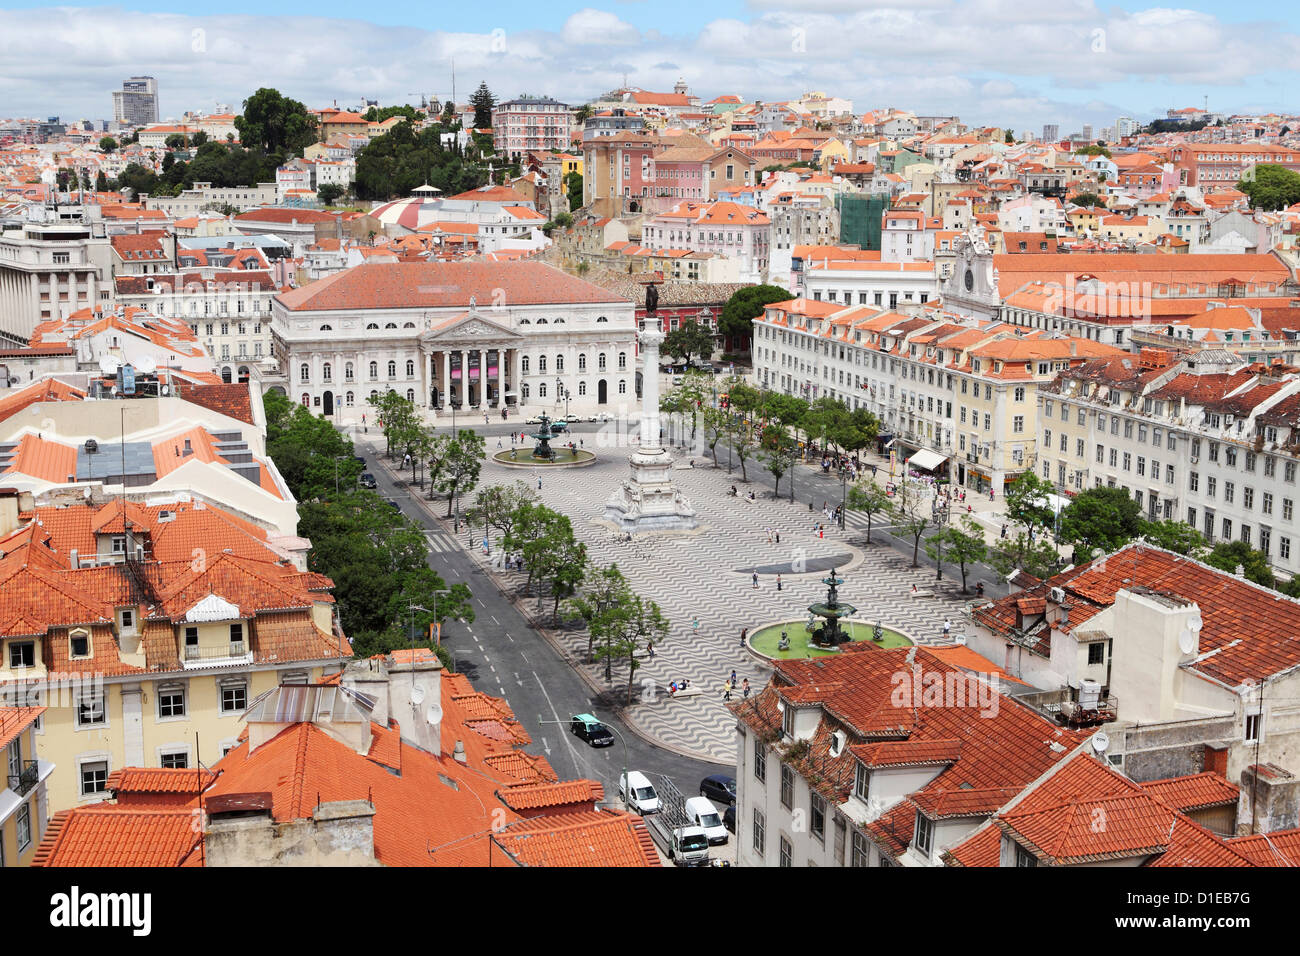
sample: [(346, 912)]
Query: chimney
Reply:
[(369, 676), (1270, 800), (1216, 759), (242, 832), (459, 753), (415, 697), (9, 508)]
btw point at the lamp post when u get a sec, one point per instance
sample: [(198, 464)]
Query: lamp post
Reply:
[(844, 491)]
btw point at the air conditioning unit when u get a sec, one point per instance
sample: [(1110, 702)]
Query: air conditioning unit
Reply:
[(1057, 595)]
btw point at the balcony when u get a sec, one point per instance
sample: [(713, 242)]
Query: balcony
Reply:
[(22, 783), (233, 653)]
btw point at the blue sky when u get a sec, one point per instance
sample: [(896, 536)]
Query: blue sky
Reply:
[(1000, 62)]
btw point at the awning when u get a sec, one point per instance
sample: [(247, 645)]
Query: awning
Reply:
[(926, 460)]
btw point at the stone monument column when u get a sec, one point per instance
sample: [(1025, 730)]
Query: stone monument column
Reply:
[(650, 341)]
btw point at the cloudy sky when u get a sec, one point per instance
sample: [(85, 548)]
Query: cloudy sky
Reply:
[(996, 62)]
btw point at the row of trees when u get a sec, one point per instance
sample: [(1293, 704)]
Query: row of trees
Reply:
[(377, 558), (450, 463), (619, 623)]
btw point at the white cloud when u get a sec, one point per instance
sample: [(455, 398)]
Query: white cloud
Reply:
[(598, 28)]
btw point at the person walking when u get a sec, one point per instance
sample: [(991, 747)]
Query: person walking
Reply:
[(650, 649), (744, 635), (695, 623), (539, 483), (726, 691), (947, 627), (755, 579), (778, 537), (745, 686), (1004, 532), (778, 582), (732, 679), (769, 535)]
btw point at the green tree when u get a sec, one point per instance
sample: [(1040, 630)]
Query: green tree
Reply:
[(1092, 150), (496, 505), (1029, 501), (1038, 557), (742, 435), (330, 193), (107, 144), (778, 455), (1230, 555), (275, 124), (687, 340), (483, 101), (465, 457), (1105, 518), (869, 499), (199, 138), (176, 141), (1088, 200), (101, 182), (737, 319), (584, 113), (964, 542), (1176, 536), (715, 426), (377, 115), (687, 399), (1271, 187), (606, 588), (573, 189), (912, 510)]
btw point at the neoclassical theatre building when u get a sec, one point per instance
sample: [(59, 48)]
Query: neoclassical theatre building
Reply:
[(477, 336)]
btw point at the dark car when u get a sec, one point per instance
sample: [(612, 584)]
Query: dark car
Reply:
[(719, 788), (729, 818), (587, 727), (367, 480), (393, 504), (359, 460)]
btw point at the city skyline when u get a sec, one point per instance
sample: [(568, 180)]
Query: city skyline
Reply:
[(1077, 65)]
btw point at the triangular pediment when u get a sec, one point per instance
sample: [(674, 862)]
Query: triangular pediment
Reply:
[(212, 608), (467, 327)]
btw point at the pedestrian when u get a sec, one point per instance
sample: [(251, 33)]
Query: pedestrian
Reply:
[(498, 442), (1004, 531), (755, 578), (778, 537), (745, 686), (732, 680), (913, 588), (769, 535), (744, 634), (485, 418), (539, 484), (726, 691), (695, 623), (821, 533), (990, 494), (778, 582), (650, 649), (947, 626)]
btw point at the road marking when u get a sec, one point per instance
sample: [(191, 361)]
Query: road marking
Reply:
[(545, 745), (554, 713), (494, 620), (524, 656)]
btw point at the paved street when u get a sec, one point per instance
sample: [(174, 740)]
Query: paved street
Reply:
[(503, 656), (705, 576)]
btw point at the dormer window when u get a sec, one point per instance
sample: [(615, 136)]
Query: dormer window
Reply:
[(126, 620), (923, 838), (862, 782), (787, 721), (79, 644)]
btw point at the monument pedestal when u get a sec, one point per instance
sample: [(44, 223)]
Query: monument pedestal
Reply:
[(649, 501)]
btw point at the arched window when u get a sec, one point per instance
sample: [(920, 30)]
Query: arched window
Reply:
[(410, 395), (326, 372), (392, 370), (541, 321), (374, 395), (524, 392), (622, 387), (600, 362), (347, 371), (559, 321), (582, 362), (582, 389), (408, 325), (374, 370), (541, 390), (559, 363), (523, 321), (304, 372), (350, 399), (306, 400), (541, 364), (622, 360), (390, 325), (327, 328), (410, 369), (523, 365), (601, 318), (371, 325)]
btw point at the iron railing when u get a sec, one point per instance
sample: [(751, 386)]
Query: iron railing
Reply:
[(22, 783)]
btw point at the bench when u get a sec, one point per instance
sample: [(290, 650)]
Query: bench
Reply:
[(921, 593), (693, 691)]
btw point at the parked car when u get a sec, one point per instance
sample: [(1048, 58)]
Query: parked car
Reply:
[(700, 812), (393, 504), (535, 420), (601, 417), (560, 427), (367, 480), (637, 792), (588, 728), (729, 818), (361, 461), (719, 788), (690, 847)]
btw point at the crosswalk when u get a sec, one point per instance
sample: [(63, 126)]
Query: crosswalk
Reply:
[(440, 542)]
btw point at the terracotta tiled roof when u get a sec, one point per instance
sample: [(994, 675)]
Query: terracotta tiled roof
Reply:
[(14, 720), (601, 838), (1196, 792), (1279, 848), (109, 836), (159, 780), (535, 796)]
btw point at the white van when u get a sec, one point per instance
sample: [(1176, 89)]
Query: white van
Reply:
[(642, 798), (700, 812)]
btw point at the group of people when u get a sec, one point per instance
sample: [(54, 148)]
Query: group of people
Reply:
[(729, 685)]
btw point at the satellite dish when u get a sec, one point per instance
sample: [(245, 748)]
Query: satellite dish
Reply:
[(108, 365), (1100, 742), (434, 714), (1187, 641), (1194, 624), (147, 365), (417, 696)]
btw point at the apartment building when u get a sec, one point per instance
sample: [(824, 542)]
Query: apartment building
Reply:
[(722, 228), (24, 798), (204, 196), (1208, 440), (530, 123)]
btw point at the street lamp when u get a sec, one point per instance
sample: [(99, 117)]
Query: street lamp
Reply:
[(844, 488)]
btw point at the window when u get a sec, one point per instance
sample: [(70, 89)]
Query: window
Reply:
[(1097, 652), (1248, 497), (818, 817), (861, 782), (327, 372), (347, 372), (171, 702), (94, 777), (841, 830), (22, 654), (410, 369), (760, 761), (924, 836), (582, 363), (622, 360), (541, 364), (1284, 547), (1228, 491), (1287, 506), (174, 760), (90, 709), (1252, 728), (622, 387), (1020, 393), (760, 832), (304, 372), (79, 644), (600, 362), (1024, 857), (392, 370), (24, 819), (786, 850), (374, 370), (861, 853), (1018, 423), (234, 698), (237, 633), (787, 784)]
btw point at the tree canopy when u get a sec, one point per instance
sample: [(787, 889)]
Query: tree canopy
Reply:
[(275, 124), (687, 340), (1271, 187), (483, 101), (1104, 518), (745, 305), (396, 163)]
